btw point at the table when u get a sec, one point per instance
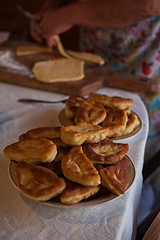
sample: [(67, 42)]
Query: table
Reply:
[(22, 218)]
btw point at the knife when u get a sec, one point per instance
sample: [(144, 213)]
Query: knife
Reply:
[(29, 100), (28, 14)]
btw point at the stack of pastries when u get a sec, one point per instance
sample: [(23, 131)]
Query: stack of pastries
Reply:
[(72, 163), (113, 113)]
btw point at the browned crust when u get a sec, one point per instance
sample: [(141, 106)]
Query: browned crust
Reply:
[(77, 135), (114, 102), (32, 150), (115, 121), (105, 151), (132, 123), (72, 104), (115, 177), (90, 112), (41, 132), (74, 193), (78, 168), (38, 183)]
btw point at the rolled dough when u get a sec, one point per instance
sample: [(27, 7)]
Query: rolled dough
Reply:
[(59, 70), (26, 50), (90, 57)]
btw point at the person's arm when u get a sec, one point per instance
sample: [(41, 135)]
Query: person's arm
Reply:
[(96, 13), (48, 5), (110, 13)]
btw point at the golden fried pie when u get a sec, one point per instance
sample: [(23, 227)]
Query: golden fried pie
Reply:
[(78, 168), (105, 151), (113, 102), (38, 183), (32, 150), (41, 132), (74, 193), (90, 112), (115, 177), (132, 123), (72, 104), (116, 121), (76, 135)]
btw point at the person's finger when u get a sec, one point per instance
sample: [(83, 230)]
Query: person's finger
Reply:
[(37, 37), (36, 32), (50, 41)]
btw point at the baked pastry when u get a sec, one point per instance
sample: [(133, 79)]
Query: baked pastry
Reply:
[(32, 150), (113, 102), (128, 110), (51, 133), (41, 132), (132, 123), (78, 168), (76, 135), (90, 112), (115, 177), (115, 121), (74, 193), (72, 104), (38, 183), (105, 151)]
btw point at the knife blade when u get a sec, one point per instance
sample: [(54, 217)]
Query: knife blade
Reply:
[(29, 100), (28, 14)]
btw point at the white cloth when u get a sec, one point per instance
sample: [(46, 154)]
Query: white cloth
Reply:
[(22, 218)]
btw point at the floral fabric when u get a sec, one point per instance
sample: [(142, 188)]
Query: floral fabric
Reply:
[(134, 49)]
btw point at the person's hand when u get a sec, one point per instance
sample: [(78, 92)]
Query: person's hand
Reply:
[(35, 29), (52, 23)]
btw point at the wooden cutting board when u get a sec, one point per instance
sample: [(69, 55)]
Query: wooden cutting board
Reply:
[(95, 76), (89, 83)]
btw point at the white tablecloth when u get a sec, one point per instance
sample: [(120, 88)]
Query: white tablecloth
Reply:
[(24, 219)]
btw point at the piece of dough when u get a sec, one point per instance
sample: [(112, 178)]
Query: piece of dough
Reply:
[(60, 47), (59, 70), (83, 56), (89, 57), (33, 49)]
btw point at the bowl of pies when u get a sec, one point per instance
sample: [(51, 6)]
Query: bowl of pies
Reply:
[(76, 164), (113, 113)]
